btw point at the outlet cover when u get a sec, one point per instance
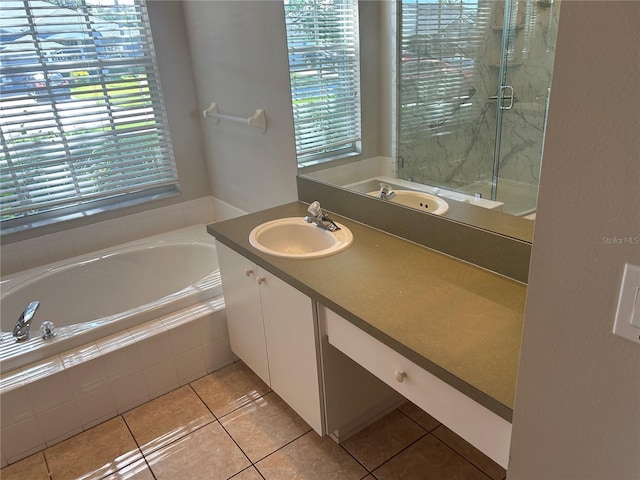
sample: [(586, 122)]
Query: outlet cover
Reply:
[(627, 323)]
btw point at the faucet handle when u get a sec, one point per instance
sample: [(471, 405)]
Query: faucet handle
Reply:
[(386, 192), (314, 209), (21, 328), (30, 310)]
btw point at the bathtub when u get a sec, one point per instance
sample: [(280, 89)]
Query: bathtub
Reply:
[(96, 295), (133, 322)]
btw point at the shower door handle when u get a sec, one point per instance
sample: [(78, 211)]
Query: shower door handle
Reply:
[(503, 88)]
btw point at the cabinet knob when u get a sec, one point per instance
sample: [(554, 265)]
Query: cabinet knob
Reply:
[(400, 375), (248, 272), (260, 280)]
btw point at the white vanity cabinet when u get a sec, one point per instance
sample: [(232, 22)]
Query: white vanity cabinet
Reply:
[(272, 328)]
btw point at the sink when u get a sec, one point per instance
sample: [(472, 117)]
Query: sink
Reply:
[(294, 238), (420, 200)]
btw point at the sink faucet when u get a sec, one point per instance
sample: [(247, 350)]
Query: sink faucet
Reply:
[(319, 219), (21, 328), (386, 192)]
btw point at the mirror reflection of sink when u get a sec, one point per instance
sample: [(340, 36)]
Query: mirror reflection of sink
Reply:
[(294, 238), (420, 200)]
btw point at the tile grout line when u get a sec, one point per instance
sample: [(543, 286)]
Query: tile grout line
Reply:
[(46, 464), (144, 457), (462, 456), (404, 449), (244, 470), (369, 472), (154, 450), (468, 460), (418, 423), (251, 464)]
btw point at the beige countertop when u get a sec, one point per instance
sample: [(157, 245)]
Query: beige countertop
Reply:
[(457, 321)]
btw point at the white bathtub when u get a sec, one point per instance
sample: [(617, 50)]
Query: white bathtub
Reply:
[(96, 295), (134, 322)]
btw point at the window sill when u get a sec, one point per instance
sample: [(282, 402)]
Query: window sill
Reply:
[(11, 228)]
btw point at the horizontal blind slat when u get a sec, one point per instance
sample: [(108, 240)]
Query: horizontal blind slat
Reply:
[(98, 127), (439, 44)]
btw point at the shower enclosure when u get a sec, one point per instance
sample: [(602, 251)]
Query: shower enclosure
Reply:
[(474, 79)]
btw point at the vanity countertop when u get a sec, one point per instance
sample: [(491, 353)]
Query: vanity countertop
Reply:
[(458, 321)]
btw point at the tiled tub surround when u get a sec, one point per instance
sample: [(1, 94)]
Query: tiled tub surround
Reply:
[(51, 400), (92, 296), (57, 388)]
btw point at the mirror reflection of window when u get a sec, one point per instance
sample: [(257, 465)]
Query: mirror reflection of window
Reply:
[(439, 48), (324, 66)]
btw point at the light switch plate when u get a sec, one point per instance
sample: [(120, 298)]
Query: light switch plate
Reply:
[(627, 323)]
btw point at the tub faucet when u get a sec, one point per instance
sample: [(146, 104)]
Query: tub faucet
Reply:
[(319, 219), (21, 328), (386, 192)]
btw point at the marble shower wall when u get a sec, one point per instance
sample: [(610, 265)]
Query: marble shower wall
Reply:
[(461, 150)]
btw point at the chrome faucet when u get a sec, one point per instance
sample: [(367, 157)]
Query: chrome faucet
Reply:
[(21, 328), (386, 192), (319, 219)]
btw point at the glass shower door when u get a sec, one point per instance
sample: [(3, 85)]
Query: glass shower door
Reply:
[(525, 71), (474, 81), (445, 126)]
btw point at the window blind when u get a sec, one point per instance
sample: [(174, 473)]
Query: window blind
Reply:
[(440, 42), (324, 66), (82, 119)]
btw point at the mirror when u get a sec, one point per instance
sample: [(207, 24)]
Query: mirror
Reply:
[(459, 113)]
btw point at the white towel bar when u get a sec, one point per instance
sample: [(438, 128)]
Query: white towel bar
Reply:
[(258, 120)]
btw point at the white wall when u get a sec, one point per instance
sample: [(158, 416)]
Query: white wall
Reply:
[(239, 56), (178, 88), (577, 409), (239, 52)]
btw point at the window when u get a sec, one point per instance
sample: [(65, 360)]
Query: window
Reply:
[(324, 66), (83, 123), (439, 46)]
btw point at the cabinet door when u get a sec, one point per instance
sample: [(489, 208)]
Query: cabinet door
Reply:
[(292, 346), (243, 310)]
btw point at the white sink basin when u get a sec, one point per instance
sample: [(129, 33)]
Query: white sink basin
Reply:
[(420, 200), (294, 238)]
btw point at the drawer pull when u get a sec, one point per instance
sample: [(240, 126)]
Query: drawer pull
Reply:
[(248, 272), (260, 280), (400, 376)]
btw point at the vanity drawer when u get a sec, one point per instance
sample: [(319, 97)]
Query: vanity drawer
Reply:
[(488, 432)]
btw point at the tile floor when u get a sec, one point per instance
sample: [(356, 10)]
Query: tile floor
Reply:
[(230, 425)]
